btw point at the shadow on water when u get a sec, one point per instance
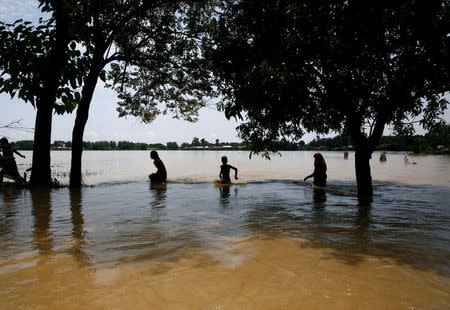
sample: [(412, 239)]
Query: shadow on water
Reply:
[(224, 193), (9, 211), (156, 234), (42, 214), (77, 219), (406, 223), (133, 223), (227, 195), (159, 191)]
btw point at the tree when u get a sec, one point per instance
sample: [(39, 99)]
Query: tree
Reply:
[(195, 141), (36, 64), (23, 145), (350, 67), (172, 146), (152, 62), (439, 135), (204, 142)]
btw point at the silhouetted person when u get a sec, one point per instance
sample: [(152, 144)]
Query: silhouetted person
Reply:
[(7, 161), (161, 173), (224, 174), (320, 171)]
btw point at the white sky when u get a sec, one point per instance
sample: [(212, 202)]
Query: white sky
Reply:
[(103, 123)]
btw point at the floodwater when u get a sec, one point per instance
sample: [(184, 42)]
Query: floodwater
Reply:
[(270, 241), (194, 166)]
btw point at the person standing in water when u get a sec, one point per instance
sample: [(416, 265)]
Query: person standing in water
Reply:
[(320, 171), (161, 173), (8, 163), (224, 174)]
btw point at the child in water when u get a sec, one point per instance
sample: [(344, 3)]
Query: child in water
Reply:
[(8, 164), (320, 171), (224, 174), (161, 173)]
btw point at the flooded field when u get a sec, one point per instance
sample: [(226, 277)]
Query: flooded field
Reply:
[(194, 166), (269, 242)]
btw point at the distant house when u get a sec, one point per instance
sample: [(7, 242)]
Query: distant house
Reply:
[(62, 147)]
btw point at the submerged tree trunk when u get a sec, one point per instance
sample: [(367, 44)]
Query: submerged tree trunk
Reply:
[(41, 173), (364, 147), (362, 169), (80, 124)]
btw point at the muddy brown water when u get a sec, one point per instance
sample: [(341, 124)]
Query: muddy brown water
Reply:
[(270, 241)]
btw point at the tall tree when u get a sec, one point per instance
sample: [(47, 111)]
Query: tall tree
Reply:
[(35, 62), (284, 67), (153, 61)]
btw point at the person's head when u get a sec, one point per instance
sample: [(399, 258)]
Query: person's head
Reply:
[(4, 141), (154, 155), (224, 159), (318, 157), (319, 160)]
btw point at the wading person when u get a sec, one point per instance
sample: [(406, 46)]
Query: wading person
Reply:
[(8, 165), (224, 174), (320, 171), (161, 173)]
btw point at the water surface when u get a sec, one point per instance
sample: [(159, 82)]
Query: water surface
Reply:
[(193, 166), (268, 242)]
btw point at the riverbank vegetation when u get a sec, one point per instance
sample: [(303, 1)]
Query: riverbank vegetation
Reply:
[(436, 140)]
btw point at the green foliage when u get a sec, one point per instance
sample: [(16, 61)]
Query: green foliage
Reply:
[(26, 145), (26, 60), (338, 142), (439, 135), (172, 146), (435, 139), (161, 69), (195, 141), (284, 67)]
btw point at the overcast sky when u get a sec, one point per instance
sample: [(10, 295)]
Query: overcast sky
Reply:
[(103, 123)]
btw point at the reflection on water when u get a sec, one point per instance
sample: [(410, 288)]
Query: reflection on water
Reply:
[(204, 243), (77, 219), (160, 191), (42, 211)]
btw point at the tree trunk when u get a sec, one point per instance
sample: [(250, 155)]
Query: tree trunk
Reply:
[(363, 154), (80, 124), (51, 79), (41, 173)]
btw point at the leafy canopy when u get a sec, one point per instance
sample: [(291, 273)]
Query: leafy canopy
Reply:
[(284, 67)]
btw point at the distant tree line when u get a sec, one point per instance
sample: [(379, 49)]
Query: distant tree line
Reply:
[(435, 140)]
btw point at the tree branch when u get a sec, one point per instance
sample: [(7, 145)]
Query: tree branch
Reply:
[(16, 125)]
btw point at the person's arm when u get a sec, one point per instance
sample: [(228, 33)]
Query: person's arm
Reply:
[(17, 152), (220, 174), (309, 176), (235, 172)]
